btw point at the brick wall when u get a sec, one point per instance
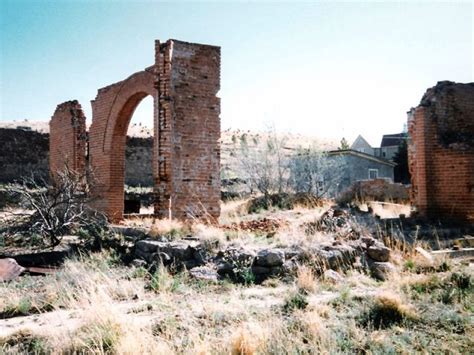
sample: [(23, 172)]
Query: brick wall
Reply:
[(441, 152), (188, 178), (67, 139), (183, 82), (112, 111)]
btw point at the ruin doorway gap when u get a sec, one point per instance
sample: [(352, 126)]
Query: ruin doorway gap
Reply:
[(183, 83)]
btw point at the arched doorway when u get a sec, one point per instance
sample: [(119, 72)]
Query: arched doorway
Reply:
[(112, 110), (139, 160)]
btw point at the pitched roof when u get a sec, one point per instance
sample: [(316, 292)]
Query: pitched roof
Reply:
[(360, 142), (391, 140), (361, 155)]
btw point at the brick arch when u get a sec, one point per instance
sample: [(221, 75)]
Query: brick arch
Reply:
[(183, 81), (112, 111)]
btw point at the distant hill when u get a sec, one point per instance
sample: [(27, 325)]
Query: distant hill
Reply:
[(139, 150)]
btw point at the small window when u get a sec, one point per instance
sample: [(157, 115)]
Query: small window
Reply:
[(320, 185), (384, 154), (373, 174)]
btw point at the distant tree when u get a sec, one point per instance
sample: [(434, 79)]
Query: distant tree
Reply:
[(264, 165), (313, 172), (344, 145), (401, 171)]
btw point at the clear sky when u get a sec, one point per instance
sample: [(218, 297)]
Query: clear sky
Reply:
[(328, 69)]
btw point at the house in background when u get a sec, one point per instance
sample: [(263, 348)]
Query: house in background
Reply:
[(358, 166), (361, 145), (388, 147), (391, 144)]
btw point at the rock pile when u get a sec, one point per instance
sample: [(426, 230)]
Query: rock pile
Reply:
[(349, 247), (237, 263), (378, 256)]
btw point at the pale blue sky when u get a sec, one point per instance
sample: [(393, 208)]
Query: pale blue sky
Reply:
[(328, 69)]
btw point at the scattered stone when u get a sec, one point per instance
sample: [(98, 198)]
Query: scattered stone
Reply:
[(290, 267), (138, 263), (379, 252), (160, 258), (152, 250), (133, 232), (206, 273), (382, 270), (368, 240), (9, 269), (270, 257), (233, 261), (333, 276)]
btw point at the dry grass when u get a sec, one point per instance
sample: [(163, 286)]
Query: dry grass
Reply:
[(305, 279), (97, 305), (392, 302), (183, 316), (248, 339), (167, 227)]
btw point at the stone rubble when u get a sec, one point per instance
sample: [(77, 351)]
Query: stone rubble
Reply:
[(232, 262)]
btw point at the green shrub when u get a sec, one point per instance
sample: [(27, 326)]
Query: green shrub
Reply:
[(295, 301), (24, 342)]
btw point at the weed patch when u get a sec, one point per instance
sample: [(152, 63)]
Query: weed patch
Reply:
[(24, 342), (387, 310), (294, 301)]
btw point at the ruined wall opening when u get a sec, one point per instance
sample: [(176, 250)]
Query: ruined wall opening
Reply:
[(183, 83), (139, 160)]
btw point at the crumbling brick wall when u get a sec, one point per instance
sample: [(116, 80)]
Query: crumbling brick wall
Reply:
[(183, 83), (441, 152), (67, 139), (112, 111), (188, 180)]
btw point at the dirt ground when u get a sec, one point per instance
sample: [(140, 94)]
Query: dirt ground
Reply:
[(97, 304)]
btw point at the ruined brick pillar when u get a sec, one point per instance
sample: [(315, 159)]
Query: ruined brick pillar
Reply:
[(183, 82), (67, 139), (188, 130), (441, 152)]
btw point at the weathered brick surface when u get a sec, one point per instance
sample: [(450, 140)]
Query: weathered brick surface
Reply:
[(183, 82), (112, 111), (188, 180), (441, 152), (67, 139)]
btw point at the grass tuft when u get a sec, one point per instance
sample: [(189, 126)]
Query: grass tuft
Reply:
[(294, 301), (305, 279), (387, 310)]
